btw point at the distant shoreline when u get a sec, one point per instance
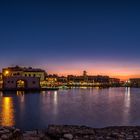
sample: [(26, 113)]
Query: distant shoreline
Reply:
[(57, 88), (28, 89)]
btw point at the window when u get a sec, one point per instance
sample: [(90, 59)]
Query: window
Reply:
[(8, 81), (34, 75), (25, 75), (33, 82), (20, 84), (29, 75), (12, 81)]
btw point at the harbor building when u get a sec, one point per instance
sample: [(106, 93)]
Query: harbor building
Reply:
[(134, 82), (1, 82), (22, 77), (52, 80), (88, 80)]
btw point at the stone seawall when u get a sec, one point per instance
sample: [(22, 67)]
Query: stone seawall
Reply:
[(70, 132)]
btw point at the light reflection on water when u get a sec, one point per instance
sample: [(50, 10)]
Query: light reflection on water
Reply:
[(127, 105), (55, 100), (92, 107), (127, 98), (7, 112)]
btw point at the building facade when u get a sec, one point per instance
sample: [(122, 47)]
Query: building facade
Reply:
[(22, 77), (88, 79), (24, 72), (134, 82), (21, 83)]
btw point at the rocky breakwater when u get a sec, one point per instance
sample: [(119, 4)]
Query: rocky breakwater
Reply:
[(10, 133), (86, 133), (70, 132)]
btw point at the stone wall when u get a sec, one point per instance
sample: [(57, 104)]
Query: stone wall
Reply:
[(30, 82)]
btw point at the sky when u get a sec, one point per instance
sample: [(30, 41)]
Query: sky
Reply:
[(69, 36)]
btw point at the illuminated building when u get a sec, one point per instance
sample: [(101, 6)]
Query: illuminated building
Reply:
[(114, 81), (1, 82), (134, 82), (0, 76), (51, 80), (88, 79), (22, 77), (62, 80), (24, 72)]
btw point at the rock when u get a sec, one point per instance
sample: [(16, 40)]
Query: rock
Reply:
[(86, 136), (62, 139), (1, 132), (4, 137), (31, 132), (17, 131), (136, 136), (66, 132), (6, 131), (10, 135), (11, 129), (68, 136)]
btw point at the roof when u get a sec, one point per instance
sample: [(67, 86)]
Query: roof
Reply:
[(25, 69)]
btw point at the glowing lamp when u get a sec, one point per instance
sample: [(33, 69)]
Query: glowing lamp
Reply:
[(6, 73)]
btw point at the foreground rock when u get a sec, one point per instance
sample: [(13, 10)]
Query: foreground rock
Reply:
[(69, 132), (87, 133), (10, 133)]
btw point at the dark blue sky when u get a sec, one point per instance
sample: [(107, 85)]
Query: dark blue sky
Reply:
[(66, 36)]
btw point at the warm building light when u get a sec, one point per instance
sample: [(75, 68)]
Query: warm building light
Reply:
[(6, 72)]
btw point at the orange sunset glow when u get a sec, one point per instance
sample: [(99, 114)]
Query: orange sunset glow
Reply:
[(123, 71)]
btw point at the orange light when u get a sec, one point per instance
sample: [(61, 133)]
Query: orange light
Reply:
[(7, 112), (6, 73)]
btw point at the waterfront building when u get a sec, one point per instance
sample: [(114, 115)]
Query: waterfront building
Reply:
[(1, 82), (21, 83), (62, 80), (52, 80), (114, 81), (87, 80), (0, 76), (99, 79), (134, 82), (24, 72), (22, 77)]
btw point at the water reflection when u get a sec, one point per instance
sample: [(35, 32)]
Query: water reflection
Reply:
[(100, 107), (127, 105), (43, 93), (127, 97), (7, 112), (55, 101), (21, 95), (55, 97)]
